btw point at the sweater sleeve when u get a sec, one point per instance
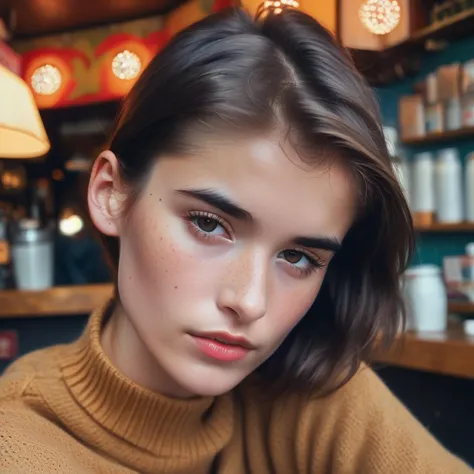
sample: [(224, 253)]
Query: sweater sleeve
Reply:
[(363, 428)]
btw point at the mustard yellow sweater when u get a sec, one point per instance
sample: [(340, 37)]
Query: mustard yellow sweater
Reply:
[(66, 409)]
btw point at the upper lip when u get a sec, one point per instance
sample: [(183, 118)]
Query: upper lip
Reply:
[(228, 338)]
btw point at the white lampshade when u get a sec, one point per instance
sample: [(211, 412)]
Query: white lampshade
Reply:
[(22, 134)]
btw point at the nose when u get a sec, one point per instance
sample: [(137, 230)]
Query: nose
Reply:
[(243, 292)]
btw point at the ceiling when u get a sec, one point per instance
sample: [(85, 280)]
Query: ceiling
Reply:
[(42, 17)]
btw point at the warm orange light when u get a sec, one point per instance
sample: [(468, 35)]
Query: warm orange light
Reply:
[(50, 79), (380, 17), (275, 6), (126, 65), (46, 79), (122, 65)]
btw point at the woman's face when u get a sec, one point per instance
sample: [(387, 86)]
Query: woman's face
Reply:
[(222, 255)]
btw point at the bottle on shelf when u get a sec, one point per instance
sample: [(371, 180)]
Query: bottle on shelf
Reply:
[(426, 298), (39, 209), (423, 191), (449, 187), (469, 187), (470, 272)]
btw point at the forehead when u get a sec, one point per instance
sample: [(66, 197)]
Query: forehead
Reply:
[(271, 180)]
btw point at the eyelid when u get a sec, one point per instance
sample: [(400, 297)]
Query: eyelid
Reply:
[(211, 215), (312, 257)]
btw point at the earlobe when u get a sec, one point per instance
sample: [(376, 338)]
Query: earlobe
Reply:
[(102, 196)]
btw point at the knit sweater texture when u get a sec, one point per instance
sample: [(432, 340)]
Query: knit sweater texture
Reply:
[(67, 409)]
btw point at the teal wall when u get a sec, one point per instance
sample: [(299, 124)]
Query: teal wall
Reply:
[(431, 247)]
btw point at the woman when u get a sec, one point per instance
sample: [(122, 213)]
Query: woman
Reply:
[(257, 233)]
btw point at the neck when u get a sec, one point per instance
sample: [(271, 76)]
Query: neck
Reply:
[(128, 353), (97, 400)]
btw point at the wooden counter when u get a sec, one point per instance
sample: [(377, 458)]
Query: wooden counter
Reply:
[(60, 301), (450, 353), (447, 353)]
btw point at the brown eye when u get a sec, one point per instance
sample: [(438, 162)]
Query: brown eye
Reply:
[(292, 256), (207, 224)]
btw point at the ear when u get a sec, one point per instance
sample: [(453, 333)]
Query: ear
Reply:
[(104, 193)]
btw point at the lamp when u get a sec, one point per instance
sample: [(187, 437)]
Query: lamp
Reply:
[(22, 134), (275, 6), (380, 17)]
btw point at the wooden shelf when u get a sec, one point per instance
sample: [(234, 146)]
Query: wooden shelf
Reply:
[(466, 133), (461, 307), (450, 29), (440, 228), (380, 67), (57, 301), (447, 353)]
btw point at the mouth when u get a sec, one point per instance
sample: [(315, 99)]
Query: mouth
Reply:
[(223, 346), (228, 339)]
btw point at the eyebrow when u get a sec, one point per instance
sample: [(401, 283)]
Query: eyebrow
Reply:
[(322, 243), (221, 202)]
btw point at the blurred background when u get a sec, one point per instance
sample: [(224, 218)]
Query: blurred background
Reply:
[(65, 66)]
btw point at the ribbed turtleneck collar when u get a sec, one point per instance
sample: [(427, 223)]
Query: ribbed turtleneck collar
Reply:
[(159, 425)]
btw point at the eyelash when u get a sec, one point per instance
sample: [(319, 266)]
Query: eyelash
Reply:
[(192, 215), (314, 263)]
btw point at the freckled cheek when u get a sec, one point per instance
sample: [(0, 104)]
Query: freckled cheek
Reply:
[(169, 257), (161, 262)]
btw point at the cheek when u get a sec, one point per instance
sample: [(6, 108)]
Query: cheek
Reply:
[(150, 257), (291, 303), (159, 259)]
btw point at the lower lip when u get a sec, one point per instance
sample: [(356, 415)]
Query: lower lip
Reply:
[(220, 351)]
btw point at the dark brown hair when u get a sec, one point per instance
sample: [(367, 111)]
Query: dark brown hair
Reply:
[(231, 70)]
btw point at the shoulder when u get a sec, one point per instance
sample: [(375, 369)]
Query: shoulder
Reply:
[(19, 377), (364, 405), (29, 434), (365, 385), (361, 427), (30, 441)]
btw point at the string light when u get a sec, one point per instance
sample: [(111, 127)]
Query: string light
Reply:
[(126, 65), (380, 17), (46, 79), (275, 6), (71, 225)]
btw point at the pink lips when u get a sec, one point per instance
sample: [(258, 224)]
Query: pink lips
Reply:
[(223, 347)]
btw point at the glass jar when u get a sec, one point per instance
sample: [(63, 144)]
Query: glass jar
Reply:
[(426, 299)]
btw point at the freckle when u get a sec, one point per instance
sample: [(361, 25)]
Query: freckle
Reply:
[(166, 271), (151, 194), (160, 199), (175, 287), (161, 238)]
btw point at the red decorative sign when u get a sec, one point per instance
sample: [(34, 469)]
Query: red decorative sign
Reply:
[(84, 71), (101, 64), (8, 345)]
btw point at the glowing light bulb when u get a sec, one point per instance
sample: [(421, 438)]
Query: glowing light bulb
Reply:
[(46, 79), (126, 65), (380, 17), (71, 225), (275, 6)]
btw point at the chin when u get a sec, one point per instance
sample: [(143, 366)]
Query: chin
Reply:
[(210, 382)]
